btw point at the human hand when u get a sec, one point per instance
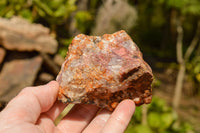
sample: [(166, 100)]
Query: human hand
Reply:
[(34, 110)]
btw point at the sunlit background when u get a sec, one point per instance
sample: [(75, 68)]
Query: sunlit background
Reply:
[(166, 31)]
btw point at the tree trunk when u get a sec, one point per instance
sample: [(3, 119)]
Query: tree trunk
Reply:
[(179, 86), (193, 43), (182, 61), (181, 73), (144, 114), (179, 42)]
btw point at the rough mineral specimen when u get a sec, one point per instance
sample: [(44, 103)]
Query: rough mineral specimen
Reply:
[(104, 71)]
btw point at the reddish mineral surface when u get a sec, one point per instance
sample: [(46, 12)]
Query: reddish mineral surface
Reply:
[(104, 70)]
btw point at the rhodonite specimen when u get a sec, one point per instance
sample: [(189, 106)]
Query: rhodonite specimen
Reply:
[(104, 70)]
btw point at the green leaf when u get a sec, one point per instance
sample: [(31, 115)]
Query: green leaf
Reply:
[(66, 42), (62, 52), (83, 20), (54, 4), (10, 13), (177, 3), (166, 120), (138, 129), (154, 120), (61, 11), (186, 128), (43, 6), (138, 114), (71, 2), (41, 12), (2, 2), (27, 14), (156, 82), (197, 68), (192, 9), (18, 6), (198, 77), (158, 105), (161, 1)]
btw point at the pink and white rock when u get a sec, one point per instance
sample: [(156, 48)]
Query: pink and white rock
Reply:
[(104, 70)]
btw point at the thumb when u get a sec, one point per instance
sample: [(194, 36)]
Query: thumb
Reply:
[(31, 102)]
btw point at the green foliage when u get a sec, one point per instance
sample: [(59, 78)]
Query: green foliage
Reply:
[(8, 8), (156, 83), (172, 65), (139, 129), (158, 105), (184, 6), (185, 128), (84, 20), (192, 7), (160, 119), (54, 11), (65, 44), (94, 4), (137, 115), (193, 68), (27, 14), (150, 32), (176, 3), (154, 120)]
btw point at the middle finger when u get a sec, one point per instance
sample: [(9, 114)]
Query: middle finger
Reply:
[(98, 122)]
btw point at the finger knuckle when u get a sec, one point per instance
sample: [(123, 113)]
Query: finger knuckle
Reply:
[(121, 120)]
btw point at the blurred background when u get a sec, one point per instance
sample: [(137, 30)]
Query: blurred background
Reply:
[(35, 35)]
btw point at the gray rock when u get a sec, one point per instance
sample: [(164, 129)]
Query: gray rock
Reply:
[(19, 34), (115, 15), (17, 74)]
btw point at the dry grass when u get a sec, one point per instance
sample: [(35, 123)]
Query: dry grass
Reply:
[(63, 113)]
